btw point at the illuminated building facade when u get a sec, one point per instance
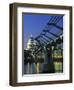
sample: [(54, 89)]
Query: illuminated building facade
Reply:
[(44, 53)]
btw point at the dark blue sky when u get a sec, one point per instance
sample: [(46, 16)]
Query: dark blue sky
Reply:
[(33, 25)]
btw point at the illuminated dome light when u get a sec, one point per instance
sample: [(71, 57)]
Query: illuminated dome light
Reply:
[(31, 43)]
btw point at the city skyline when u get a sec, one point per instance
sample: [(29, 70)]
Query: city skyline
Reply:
[(34, 24), (43, 43)]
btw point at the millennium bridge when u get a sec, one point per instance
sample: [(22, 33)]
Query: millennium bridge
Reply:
[(45, 52)]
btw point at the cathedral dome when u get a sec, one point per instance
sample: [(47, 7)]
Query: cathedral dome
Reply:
[(31, 43)]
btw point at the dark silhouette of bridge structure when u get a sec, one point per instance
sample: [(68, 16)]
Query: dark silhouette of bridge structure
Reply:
[(44, 39), (47, 41)]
